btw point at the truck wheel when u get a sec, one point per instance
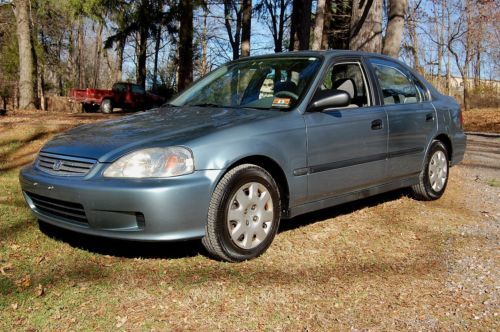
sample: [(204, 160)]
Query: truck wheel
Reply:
[(106, 106)]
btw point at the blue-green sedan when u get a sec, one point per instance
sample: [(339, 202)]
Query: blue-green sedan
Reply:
[(256, 141)]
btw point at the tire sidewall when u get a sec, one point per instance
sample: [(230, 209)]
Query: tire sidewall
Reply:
[(103, 106), (240, 178), (436, 146)]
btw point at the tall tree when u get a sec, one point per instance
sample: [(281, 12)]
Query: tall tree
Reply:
[(319, 23), (274, 13), (366, 26), (246, 27), (337, 24), (26, 68), (233, 13), (395, 24), (412, 46), (300, 28), (185, 44)]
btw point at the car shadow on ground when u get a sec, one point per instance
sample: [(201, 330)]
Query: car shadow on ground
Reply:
[(339, 210), (124, 248), (191, 248)]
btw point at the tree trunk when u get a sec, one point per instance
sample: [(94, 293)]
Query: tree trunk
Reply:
[(157, 50), (412, 31), (319, 25), (366, 26), (276, 11), (141, 56), (300, 27), (80, 45), (185, 45), (120, 47), (26, 79), (448, 60), (97, 55), (325, 44), (234, 41), (204, 43), (246, 27), (395, 27)]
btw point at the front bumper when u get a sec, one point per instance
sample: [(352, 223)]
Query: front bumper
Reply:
[(132, 209)]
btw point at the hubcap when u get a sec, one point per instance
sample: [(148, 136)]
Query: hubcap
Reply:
[(438, 170), (250, 215)]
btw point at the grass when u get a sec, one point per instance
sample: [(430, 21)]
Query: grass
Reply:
[(482, 120), (382, 263), (494, 182)]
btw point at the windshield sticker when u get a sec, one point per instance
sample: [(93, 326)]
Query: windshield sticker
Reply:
[(281, 102)]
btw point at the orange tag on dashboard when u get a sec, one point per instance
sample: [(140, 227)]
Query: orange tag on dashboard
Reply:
[(281, 102)]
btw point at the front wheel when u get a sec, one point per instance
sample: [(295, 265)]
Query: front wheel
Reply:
[(243, 215), (434, 177)]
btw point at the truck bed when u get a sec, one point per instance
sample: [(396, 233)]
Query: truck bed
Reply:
[(89, 96)]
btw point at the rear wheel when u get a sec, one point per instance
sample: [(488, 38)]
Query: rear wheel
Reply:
[(244, 214), (434, 177), (106, 106)]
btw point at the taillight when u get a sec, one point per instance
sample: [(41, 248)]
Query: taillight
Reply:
[(461, 118)]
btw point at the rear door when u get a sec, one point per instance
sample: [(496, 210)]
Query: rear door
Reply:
[(412, 117), (347, 147)]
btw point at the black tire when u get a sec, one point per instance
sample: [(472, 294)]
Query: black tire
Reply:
[(217, 240), (424, 190), (106, 106)]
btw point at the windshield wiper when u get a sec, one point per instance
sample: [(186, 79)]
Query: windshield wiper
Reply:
[(169, 105), (206, 105)]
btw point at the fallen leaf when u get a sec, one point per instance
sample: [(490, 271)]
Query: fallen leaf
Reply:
[(24, 282), (120, 321), (40, 290), (5, 268)]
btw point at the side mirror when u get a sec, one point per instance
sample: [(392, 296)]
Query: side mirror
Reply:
[(329, 99)]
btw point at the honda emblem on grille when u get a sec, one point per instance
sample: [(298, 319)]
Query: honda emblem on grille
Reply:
[(57, 165)]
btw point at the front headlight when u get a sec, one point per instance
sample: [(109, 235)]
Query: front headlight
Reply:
[(153, 163)]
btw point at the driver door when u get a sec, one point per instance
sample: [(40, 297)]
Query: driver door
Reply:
[(347, 147)]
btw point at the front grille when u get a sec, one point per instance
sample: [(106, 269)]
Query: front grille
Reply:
[(57, 208), (64, 165)]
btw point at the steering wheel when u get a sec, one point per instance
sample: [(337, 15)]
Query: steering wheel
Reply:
[(285, 93)]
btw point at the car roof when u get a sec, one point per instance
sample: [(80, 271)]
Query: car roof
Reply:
[(323, 53)]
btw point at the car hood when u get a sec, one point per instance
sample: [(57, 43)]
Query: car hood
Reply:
[(108, 140)]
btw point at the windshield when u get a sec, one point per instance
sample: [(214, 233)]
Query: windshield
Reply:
[(278, 83)]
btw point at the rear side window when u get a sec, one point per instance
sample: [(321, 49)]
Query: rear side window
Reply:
[(397, 87)]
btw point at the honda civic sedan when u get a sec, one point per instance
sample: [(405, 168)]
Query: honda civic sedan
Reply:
[(255, 142)]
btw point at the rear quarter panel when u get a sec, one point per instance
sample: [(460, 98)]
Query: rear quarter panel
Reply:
[(450, 123)]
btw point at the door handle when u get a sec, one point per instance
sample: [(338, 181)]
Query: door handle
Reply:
[(429, 117), (377, 124)]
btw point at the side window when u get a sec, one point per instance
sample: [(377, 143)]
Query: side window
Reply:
[(422, 90), (348, 77), (397, 88), (138, 89)]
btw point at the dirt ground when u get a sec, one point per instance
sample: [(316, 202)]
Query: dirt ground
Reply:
[(384, 263)]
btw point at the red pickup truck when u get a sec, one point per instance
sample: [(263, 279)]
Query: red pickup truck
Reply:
[(123, 95)]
